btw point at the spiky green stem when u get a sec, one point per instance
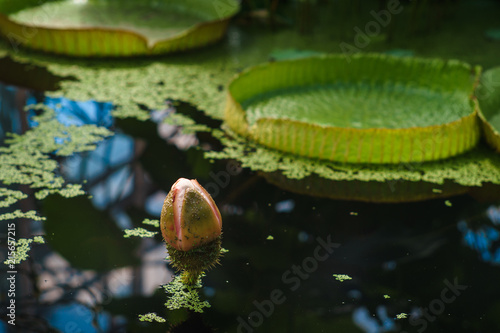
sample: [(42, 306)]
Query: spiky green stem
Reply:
[(194, 262), (190, 278)]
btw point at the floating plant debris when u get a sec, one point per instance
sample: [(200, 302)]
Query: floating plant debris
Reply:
[(154, 223), (342, 277), (23, 245), (402, 315), (151, 317), (186, 296), (139, 232), (26, 159)]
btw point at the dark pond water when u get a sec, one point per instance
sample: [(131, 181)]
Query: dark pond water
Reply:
[(436, 261), (430, 266)]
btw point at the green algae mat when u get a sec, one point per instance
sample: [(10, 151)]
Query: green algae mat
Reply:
[(366, 109), (114, 28)]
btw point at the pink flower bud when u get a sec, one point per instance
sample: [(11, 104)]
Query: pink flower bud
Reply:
[(189, 217)]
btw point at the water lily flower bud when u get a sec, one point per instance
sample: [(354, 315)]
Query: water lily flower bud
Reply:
[(189, 217), (191, 225)]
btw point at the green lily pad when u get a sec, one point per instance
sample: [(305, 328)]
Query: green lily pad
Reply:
[(488, 94), (366, 109), (114, 28)]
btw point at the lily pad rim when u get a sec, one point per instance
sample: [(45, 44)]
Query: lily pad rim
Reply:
[(477, 71), (120, 30), (149, 46), (489, 132)]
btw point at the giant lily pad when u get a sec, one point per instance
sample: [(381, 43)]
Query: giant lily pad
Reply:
[(364, 109), (114, 27), (488, 94)]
